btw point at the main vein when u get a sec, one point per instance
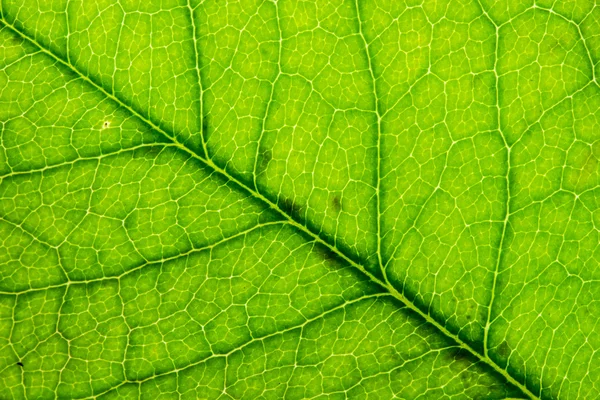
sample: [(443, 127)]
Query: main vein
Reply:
[(300, 226)]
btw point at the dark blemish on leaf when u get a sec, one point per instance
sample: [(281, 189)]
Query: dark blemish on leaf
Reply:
[(337, 203), (17, 41), (290, 207), (20, 364), (204, 125), (327, 254), (266, 52), (504, 349), (470, 311), (286, 204), (267, 155), (264, 159), (106, 124)]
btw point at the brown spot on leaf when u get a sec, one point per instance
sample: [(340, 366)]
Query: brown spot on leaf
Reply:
[(264, 158)]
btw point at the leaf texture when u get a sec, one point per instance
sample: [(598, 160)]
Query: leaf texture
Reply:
[(297, 199)]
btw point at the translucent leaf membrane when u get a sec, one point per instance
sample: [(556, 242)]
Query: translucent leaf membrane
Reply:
[(290, 108), (187, 187), (444, 161), (369, 348), (126, 260), (546, 277), (112, 43)]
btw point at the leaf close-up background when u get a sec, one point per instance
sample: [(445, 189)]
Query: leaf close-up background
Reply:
[(265, 199)]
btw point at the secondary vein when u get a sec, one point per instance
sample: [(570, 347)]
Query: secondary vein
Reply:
[(199, 79), (378, 167), (507, 179)]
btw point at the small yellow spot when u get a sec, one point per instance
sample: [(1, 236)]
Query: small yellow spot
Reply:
[(106, 124)]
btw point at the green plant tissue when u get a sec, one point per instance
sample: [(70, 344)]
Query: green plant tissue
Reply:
[(299, 199)]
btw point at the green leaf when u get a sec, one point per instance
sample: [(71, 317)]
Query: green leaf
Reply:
[(298, 199)]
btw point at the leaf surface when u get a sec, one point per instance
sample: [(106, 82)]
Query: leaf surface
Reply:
[(290, 199)]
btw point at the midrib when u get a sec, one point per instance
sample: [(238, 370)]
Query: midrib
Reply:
[(291, 220)]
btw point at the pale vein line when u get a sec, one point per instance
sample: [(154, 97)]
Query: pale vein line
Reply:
[(507, 179), (268, 107), (199, 79), (378, 114), (301, 227), (68, 23), (17, 61), (83, 158)]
